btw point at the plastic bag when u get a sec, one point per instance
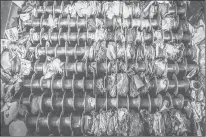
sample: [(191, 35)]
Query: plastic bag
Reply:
[(35, 106), (168, 22), (158, 125), (136, 125), (135, 84), (123, 121), (198, 33), (53, 67), (11, 113)]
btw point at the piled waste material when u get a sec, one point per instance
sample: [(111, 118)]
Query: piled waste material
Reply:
[(103, 68)]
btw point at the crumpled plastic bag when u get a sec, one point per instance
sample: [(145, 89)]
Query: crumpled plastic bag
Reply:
[(112, 9), (52, 22), (99, 86), (88, 124), (123, 121), (96, 52), (119, 86), (10, 113), (198, 32), (188, 109), (94, 24), (5, 60), (150, 11), (119, 34), (150, 52), (136, 125), (18, 128), (162, 83), (95, 126), (158, 125), (135, 84), (35, 105), (16, 53), (53, 67), (111, 51), (83, 8), (159, 67), (111, 122), (197, 95), (131, 35), (9, 84), (165, 105), (163, 8), (103, 122), (197, 111), (115, 51), (23, 40), (100, 51), (176, 122), (22, 109), (25, 17), (90, 103), (174, 52), (168, 22), (183, 126), (100, 34), (111, 85), (201, 73)]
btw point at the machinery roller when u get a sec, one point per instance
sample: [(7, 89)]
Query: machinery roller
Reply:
[(138, 37), (112, 67), (83, 22), (172, 85), (116, 22), (78, 122), (134, 7), (88, 104), (89, 53)]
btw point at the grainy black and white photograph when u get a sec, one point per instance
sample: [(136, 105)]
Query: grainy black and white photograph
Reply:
[(103, 68)]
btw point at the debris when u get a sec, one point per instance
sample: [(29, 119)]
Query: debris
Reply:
[(165, 105), (174, 51), (192, 73), (176, 122), (159, 67), (198, 34), (22, 109), (112, 9), (158, 125), (136, 125), (168, 22), (162, 83), (118, 84), (12, 34), (195, 85), (35, 106), (52, 67), (11, 113), (135, 84), (18, 128), (90, 103), (123, 121), (99, 86), (52, 22), (4, 44), (25, 17), (25, 67), (111, 51)]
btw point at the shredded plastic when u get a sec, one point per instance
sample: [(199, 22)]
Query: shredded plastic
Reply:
[(53, 67)]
